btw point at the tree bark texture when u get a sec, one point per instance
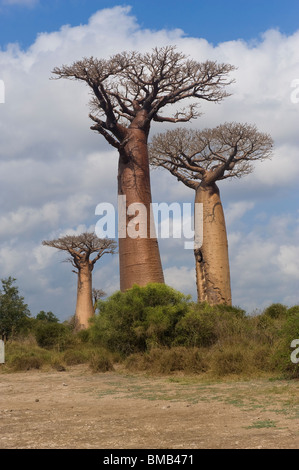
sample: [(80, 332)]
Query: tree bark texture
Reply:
[(212, 261), (84, 306), (139, 258)]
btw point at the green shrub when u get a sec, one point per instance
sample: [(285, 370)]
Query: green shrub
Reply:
[(168, 360), (139, 318), (293, 310), (197, 327), (204, 325), (21, 355), (260, 358), (75, 356), (229, 360), (83, 335), (100, 362), (58, 365), (21, 362), (276, 311), (236, 312), (46, 317), (53, 335)]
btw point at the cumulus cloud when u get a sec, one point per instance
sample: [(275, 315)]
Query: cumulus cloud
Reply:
[(54, 170), (236, 210), (181, 278)]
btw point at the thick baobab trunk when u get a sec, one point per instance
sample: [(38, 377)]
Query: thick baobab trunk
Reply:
[(212, 262), (139, 257), (84, 307)]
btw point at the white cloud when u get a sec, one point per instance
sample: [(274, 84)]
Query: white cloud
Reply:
[(54, 170), (236, 210), (287, 260), (181, 278)]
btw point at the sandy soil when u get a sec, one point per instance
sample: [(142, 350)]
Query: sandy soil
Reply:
[(76, 409)]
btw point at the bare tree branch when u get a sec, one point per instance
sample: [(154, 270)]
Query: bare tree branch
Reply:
[(81, 247), (209, 155), (131, 82)]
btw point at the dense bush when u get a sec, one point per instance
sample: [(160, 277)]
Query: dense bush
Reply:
[(169, 360), (47, 317), (159, 330), (139, 318), (100, 361), (293, 310), (204, 325), (53, 335), (276, 311)]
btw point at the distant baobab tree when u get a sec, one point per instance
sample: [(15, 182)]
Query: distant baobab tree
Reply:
[(84, 250), (129, 90), (199, 159), (97, 294)]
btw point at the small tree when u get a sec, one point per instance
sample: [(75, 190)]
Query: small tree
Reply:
[(199, 159), (129, 91), (47, 317), (81, 249), (97, 294), (14, 313)]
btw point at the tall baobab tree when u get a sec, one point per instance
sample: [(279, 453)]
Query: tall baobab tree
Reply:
[(199, 159), (84, 250), (129, 90)]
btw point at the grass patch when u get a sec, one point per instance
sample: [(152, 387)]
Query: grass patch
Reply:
[(266, 423)]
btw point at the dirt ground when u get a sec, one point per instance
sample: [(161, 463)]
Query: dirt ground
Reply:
[(77, 409)]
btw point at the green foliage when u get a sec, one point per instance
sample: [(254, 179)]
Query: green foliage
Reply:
[(26, 362), (72, 357), (293, 310), (22, 355), (276, 311), (53, 335), (169, 360), (100, 362), (139, 318), (159, 330), (229, 360), (83, 335), (46, 317), (204, 325), (14, 313)]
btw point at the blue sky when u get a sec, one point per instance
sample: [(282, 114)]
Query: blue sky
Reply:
[(54, 171), (217, 21)]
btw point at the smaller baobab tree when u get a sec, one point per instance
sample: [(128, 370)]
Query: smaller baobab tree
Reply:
[(84, 250), (97, 294), (199, 159)]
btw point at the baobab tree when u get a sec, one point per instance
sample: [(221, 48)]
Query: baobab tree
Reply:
[(129, 90), (84, 250), (199, 159), (97, 294)]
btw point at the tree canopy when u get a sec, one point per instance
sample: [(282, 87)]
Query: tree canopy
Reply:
[(225, 151), (130, 82), (82, 247), (14, 313)]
